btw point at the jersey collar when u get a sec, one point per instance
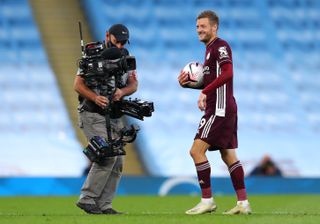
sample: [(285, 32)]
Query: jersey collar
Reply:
[(212, 42)]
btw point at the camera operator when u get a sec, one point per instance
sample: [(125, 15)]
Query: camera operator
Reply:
[(103, 178)]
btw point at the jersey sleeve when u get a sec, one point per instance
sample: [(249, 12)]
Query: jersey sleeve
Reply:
[(223, 53)]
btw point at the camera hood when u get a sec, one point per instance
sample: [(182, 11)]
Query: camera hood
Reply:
[(111, 53)]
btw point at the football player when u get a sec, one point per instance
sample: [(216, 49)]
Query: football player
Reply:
[(218, 126)]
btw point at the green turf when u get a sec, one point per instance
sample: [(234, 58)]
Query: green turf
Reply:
[(283, 209)]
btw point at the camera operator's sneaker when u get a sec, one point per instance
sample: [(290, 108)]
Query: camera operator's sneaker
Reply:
[(240, 208), (202, 207), (89, 208), (111, 211)]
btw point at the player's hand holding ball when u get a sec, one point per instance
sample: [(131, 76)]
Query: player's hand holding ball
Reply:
[(183, 78), (192, 75)]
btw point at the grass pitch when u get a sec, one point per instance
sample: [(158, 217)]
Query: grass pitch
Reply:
[(269, 209)]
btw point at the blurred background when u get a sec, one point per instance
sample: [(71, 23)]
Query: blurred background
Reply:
[(276, 56)]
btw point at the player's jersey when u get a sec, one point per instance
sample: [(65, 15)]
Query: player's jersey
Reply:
[(221, 100)]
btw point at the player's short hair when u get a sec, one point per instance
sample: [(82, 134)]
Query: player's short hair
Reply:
[(212, 16)]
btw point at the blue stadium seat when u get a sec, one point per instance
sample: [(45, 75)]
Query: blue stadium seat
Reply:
[(33, 117), (8, 55)]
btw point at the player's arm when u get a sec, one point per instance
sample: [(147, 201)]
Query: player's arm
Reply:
[(132, 86), (81, 88), (225, 76), (184, 81)]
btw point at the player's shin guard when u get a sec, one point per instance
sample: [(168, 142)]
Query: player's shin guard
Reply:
[(237, 177), (204, 171)]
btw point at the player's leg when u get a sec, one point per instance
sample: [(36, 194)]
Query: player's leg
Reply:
[(198, 154), (237, 176)]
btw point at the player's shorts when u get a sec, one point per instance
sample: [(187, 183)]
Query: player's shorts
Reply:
[(219, 132)]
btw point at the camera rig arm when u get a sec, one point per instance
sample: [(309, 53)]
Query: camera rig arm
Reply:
[(135, 108)]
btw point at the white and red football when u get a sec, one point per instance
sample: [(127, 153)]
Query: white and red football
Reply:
[(195, 72)]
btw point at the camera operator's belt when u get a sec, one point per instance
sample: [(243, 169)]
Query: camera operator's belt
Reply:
[(93, 108)]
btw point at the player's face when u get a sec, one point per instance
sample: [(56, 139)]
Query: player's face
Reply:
[(206, 31)]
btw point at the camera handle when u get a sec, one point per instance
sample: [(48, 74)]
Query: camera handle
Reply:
[(114, 149), (108, 124)]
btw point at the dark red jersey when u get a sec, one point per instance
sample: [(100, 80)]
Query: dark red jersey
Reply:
[(220, 100)]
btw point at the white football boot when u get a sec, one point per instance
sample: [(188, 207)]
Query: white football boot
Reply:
[(205, 206), (242, 207)]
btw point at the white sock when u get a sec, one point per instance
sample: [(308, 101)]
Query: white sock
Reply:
[(207, 200), (244, 203)]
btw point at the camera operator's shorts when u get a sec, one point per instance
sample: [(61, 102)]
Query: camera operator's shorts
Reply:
[(219, 132)]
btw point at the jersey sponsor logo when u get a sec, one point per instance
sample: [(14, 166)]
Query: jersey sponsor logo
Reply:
[(208, 56), (223, 53), (206, 70)]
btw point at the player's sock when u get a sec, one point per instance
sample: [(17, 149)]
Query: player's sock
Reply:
[(207, 200), (237, 177), (203, 171), (244, 203)]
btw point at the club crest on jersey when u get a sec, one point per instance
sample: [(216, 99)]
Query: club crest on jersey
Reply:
[(208, 56), (223, 53)]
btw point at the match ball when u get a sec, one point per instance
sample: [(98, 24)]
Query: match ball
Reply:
[(195, 73)]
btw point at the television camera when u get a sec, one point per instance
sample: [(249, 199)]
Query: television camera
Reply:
[(99, 64)]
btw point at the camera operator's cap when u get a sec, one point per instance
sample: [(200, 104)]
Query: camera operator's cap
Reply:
[(120, 32)]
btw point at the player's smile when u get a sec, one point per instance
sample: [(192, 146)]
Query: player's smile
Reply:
[(202, 34)]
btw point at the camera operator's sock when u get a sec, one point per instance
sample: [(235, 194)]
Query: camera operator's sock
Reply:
[(237, 177), (203, 171)]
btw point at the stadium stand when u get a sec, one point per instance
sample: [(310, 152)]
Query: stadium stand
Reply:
[(34, 124), (276, 58)]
